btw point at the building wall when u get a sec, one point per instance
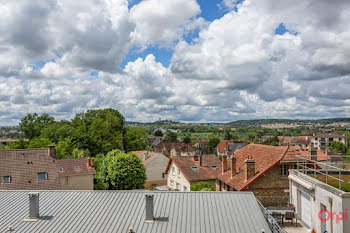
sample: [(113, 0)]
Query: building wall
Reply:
[(78, 182), (317, 143), (176, 180), (333, 201), (155, 169)]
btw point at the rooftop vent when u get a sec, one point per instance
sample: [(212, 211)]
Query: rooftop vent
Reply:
[(149, 208), (33, 207)]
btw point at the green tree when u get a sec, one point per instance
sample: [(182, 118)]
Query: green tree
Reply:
[(78, 153), (158, 133), (213, 142), (39, 143), (202, 186), (32, 124), (135, 139), (337, 147), (171, 136), (65, 148), (100, 130), (120, 171), (228, 135), (187, 139)]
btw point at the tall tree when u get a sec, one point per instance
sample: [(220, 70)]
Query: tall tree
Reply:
[(135, 139), (120, 171), (32, 124), (213, 142), (337, 147)]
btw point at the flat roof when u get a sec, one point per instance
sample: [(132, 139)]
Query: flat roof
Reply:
[(118, 211)]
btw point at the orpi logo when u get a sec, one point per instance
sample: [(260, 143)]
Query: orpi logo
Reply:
[(325, 215)]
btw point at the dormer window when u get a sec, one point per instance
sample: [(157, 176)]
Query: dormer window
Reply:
[(196, 169), (213, 167), (60, 169), (6, 179), (76, 168), (42, 176)]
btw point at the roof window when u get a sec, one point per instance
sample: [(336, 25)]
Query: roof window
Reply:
[(42, 176), (6, 179), (196, 169), (213, 167), (76, 168)]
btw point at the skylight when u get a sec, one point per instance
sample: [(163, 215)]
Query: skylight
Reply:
[(213, 167), (196, 169)]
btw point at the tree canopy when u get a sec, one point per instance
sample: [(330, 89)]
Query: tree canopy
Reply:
[(202, 186), (32, 124), (120, 171), (337, 147)]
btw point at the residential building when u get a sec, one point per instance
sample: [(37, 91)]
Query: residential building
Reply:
[(184, 171), (154, 141), (38, 169), (202, 146), (27, 169), (154, 163), (261, 169), (175, 149), (5, 141), (228, 148), (302, 141), (323, 141), (76, 174), (320, 206), (133, 212)]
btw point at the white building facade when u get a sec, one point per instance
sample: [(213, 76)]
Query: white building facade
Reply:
[(176, 179)]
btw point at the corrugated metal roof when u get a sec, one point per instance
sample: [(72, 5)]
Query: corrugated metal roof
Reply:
[(118, 211)]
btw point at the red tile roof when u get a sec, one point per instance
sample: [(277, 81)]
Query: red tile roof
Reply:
[(221, 146), (185, 164), (321, 156), (69, 165), (147, 156), (23, 167), (266, 157)]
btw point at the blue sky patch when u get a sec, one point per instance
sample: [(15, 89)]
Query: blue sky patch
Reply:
[(37, 65), (162, 55), (281, 29)]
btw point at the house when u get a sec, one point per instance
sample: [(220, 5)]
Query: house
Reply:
[(76, 174), (175, 149), (202, 145), (132, 212), (154, 163), (38, 169), (154, 141), (228, 148), (261, 169), (302, 141), (27, 169), (323, 141), (319, 202), (184, 171)]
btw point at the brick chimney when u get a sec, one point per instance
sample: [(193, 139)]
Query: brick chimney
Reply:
[(196, 158), (233, 165), (52, 151), (249, 168), (224, 164), (313, 153), (89, 162)]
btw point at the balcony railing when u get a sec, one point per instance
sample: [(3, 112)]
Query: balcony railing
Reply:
[(275, 228), (326, 172)]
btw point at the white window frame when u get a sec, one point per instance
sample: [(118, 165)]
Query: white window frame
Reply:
[(46, 176), (3, 179), (178, 173)]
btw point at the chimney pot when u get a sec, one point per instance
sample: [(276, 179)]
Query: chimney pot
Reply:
[(33, 205), (224, 164), (233, 165), (89, 162), (149, 207)]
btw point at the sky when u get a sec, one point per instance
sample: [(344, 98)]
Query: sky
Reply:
[(184, 60)]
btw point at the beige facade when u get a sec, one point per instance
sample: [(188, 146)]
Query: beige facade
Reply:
[(77, 182), (176, 180)]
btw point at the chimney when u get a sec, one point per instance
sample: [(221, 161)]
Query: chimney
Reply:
[(195, 158), (149, 208), (249, 168), (89, 162), (200, 160), (224, 164), (52, 151), (233, 165), (313, 153), (33, 206)]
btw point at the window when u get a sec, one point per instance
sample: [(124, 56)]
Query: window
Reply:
[(61, 169), (195, 169), (178, 172), (213, 167), (284, 170), (177, 186), (76, 168), (185, 188), (171, 183), (6, 179), (42, 175), (173, 171)]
